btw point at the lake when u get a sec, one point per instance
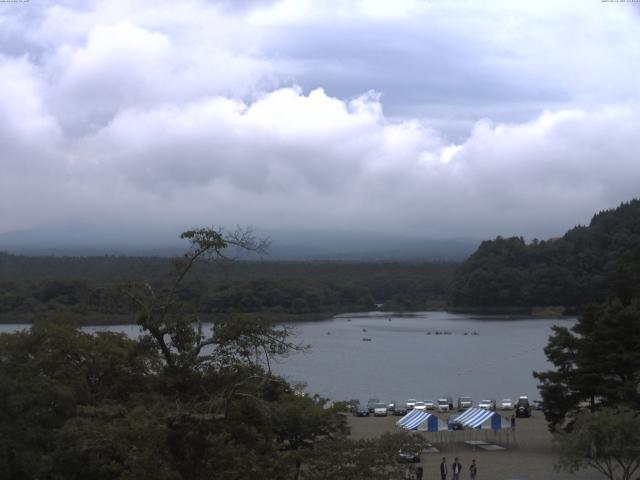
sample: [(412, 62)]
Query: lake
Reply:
[(402, 361), (474, 355)]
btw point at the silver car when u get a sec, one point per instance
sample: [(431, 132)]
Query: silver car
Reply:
[(411, 403), (506, 404), (487, 404)]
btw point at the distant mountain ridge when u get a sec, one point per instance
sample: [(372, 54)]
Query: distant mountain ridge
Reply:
[(88, 240), (585, 265)]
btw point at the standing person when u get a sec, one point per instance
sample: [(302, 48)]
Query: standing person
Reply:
[(513, 423), (456, 468), (443, 469), (419, 472), (473, 470)]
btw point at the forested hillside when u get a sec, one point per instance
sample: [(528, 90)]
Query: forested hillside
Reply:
[(89, 287), (584, 266)]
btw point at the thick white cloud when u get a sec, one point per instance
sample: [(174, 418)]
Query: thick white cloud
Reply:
[(191, 113)]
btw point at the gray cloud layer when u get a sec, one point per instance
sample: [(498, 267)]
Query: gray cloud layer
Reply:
[(422, 117)]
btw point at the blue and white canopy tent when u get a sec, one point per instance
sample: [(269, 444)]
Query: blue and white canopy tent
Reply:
[(420, 420), (479, 418), (476, 420)]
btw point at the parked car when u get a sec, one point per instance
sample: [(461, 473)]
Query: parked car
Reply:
[(430, 404), (361, 411), (487, 404), (523, 409), (391, 406), (443, 405), (380, 410), (464, 403), (420, 406), (371, 404), (400, 410), (506, 404), (453, 423), (538, 405), (405, 456), (354, 403), (410, 403)]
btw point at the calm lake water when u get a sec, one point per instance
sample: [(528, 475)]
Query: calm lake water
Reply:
[(403, 361)]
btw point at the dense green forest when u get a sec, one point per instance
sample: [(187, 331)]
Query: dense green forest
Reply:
[(584, 266), (91, 287)]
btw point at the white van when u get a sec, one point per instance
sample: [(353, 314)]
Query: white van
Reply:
[(380, 410), (443, 404)]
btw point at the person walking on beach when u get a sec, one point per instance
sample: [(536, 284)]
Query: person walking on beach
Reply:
[(456, 468), (473, 470), (443, 469)]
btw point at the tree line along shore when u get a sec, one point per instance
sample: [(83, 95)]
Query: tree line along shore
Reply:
[(505, 275)]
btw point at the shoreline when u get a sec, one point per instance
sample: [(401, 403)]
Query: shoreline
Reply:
[(100, 320)]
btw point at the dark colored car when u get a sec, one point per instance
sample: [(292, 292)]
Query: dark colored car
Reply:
[(450, 400), (361, 411), (400, 410), (523, 409), (453, 424), (353, 404), (464, 403), (538, 405), (408, 457), (371, 404)]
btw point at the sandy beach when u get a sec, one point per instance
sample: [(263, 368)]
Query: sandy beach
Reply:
[(527, 456)]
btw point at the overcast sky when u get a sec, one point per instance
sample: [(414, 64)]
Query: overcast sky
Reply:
[(423, 117)]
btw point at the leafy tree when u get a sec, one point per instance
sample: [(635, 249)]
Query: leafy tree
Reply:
[(367, 459), (161, 316), (113, 441), (607, 440), (624, 276), (597, 363), (48, 374)]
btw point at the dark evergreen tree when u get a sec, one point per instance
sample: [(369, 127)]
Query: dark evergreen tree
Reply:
[(597, 363)]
